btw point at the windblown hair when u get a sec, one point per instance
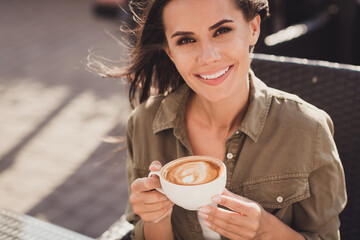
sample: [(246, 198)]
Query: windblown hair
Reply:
[(150, 69)]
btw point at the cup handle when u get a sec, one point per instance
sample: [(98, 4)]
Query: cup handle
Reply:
[(157, 173)]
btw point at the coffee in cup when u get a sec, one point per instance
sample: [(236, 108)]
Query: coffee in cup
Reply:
[(191, 182), (192, 172)]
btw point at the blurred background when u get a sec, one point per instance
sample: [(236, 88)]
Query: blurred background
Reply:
[(54, 113), (315, 29)]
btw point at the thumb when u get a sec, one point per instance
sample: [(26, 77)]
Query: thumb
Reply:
[(155, 166), (233, 195), (227, 193)]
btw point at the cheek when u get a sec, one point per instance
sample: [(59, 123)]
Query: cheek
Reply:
[(238, 49), (183, 63)]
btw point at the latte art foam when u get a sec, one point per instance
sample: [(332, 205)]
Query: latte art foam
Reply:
[(192, 172)]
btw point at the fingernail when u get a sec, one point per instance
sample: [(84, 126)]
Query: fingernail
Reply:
[(154, 165), (203, 215), (207, 224), (205, 210), (216, 199)]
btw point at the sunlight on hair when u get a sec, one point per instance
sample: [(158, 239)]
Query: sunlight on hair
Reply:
[(102, 66)]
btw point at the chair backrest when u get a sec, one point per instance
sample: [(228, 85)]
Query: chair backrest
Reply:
[(334, 88)]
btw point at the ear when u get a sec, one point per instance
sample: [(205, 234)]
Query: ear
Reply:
[(255, 29), (167, 50)]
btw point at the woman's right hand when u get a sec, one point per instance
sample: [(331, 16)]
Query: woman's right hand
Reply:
[(149, 204)]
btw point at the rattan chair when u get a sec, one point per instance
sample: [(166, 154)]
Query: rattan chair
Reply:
[(332, 87)]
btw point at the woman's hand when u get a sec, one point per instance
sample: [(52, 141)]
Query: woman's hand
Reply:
[(245, 220), (151, 205)]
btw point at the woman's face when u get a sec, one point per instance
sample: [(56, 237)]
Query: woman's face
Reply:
[(208, 41)]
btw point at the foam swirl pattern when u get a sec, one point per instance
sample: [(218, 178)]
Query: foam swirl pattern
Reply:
[(192, 173)]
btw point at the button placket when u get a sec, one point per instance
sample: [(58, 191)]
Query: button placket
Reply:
[(232, 148)]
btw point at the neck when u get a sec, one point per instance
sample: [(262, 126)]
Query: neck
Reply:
[(224, 116)]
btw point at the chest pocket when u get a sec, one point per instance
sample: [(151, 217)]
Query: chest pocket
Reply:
[(277, 193)]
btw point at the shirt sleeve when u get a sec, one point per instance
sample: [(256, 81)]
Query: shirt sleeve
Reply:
[(137, 232), (318, 215)]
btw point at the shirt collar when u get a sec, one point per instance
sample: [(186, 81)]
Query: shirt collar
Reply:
[(258, 109), (172, 107), (168, 111)]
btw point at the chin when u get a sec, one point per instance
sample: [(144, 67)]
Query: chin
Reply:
[(215, 98)]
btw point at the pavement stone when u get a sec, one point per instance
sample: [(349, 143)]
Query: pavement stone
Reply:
[(54, 113)]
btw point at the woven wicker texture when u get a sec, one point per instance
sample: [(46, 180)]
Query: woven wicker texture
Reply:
[(14, 226), (332, 87), (336, 89)]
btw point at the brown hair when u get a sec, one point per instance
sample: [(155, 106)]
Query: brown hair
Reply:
[(150, 68)]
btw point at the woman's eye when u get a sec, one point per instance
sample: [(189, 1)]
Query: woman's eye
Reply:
[(183, 41), (222, 31)]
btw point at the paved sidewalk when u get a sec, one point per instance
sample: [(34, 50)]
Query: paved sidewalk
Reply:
[(53, 114)]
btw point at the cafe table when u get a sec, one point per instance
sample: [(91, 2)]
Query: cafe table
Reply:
[(17, 226)]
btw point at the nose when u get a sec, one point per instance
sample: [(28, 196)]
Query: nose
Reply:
[(208, 53)]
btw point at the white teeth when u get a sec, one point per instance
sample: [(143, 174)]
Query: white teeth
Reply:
[(215, 75)]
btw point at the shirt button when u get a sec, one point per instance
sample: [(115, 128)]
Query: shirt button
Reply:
[(279, 199), (237, 132), (229, 156)]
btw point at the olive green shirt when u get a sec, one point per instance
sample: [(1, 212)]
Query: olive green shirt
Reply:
[(283, 157)]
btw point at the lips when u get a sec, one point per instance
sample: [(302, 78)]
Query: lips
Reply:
[(215, 77)]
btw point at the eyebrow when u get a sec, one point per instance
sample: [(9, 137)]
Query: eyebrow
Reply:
[(182, 33), (220, 23)]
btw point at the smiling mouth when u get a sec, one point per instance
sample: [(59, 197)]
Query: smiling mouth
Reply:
[(215, 75)]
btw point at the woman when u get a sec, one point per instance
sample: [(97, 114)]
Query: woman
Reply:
[(285, 179)]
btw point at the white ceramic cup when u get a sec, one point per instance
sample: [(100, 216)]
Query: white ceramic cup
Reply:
[(192, 197)]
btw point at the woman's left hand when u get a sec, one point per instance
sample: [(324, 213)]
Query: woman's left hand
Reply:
[(246, 220)]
